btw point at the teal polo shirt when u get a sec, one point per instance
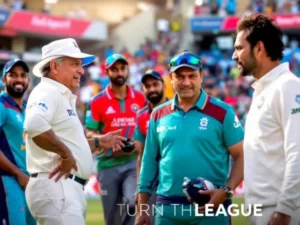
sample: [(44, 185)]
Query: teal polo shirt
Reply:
[(188, 144), (12, 143)]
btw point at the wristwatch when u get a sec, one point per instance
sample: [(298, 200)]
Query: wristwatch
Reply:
[(229, 192), (97, 143)]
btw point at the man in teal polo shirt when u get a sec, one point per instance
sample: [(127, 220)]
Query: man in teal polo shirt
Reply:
[(13, 174), (193, 135)]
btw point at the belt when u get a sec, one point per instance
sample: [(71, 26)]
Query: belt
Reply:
[(71, 176)]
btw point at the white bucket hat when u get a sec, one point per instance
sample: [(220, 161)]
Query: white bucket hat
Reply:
[(56, 49)]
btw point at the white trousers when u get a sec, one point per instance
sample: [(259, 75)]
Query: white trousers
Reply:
[(266, 216), (51, 203)]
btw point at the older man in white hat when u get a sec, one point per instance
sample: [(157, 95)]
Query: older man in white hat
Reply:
[(59, 157)]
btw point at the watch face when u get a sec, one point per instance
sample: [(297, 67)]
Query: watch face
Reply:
[(229, 194)]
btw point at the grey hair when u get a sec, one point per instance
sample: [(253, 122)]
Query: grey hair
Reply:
[(46, 68)]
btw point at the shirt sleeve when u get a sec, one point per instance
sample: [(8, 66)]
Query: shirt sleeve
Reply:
[(95, 111), (149, 167), (90, 123), (288, 108), (138, 136), (143, 101), (233, 131), (40, 113), (2, 114)]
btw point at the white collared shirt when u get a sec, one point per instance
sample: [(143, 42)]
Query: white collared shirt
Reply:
[(51, 105), (272, 142)]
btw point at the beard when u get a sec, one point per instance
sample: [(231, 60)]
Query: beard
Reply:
[(249, 65), (118, 80), (16, 92), (155, 97)]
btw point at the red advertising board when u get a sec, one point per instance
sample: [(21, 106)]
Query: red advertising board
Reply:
[(288, 21), (284, 21), (47, 25)]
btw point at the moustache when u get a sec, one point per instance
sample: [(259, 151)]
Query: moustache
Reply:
[(186, 88), (153, 93), (15, 84)]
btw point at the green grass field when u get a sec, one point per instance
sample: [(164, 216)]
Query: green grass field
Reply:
[(95, 214)]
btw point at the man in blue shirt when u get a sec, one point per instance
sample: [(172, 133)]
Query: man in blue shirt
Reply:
[(13, 174), (192, 135)]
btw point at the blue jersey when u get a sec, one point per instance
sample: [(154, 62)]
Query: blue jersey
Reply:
[(12, 143), (188, 144)]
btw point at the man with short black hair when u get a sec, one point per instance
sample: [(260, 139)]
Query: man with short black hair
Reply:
[(192, 135), (272, 143), (115, 108), (13, 172), (153, 87)]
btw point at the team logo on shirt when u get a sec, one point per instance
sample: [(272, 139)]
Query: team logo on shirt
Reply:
[(237, 122), (297, 99), (203, 123), (134, 107)]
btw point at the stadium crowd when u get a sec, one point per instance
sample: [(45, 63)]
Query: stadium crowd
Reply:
[(222, 78), (229, 7)]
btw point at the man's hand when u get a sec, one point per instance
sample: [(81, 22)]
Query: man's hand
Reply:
[(279, 219), (142, 218), (22, 179), (112, 140), (217, 197), (64, 168), (136, 199)]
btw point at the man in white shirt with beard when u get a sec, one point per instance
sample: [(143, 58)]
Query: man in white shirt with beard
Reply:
[(272, 141)]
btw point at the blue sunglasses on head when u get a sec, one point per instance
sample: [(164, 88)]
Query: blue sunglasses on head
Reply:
[(186, 59)]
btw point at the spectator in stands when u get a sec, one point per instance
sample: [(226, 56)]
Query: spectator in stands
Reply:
[(5, 4), (19, 5)]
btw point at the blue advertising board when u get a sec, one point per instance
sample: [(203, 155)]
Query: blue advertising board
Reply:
[(206, 24), (4, 14)]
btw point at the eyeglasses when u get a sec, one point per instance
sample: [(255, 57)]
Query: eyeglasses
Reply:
[(185, 59)]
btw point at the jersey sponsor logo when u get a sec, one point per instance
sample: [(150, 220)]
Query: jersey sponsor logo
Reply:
[(43, 105), (165, 128), (203, 123), (71, 112), (296, 110), (134, 107), (123, 122), (237, 122), (110, 110), (297, 99)]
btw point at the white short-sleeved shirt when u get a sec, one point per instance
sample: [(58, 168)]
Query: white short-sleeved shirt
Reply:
[(51, 105), (272, 142)]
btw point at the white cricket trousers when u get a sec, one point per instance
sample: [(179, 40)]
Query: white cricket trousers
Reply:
[(51, 203), (266, 216)]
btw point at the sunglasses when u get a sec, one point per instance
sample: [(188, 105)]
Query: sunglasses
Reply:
[(185, 59)]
